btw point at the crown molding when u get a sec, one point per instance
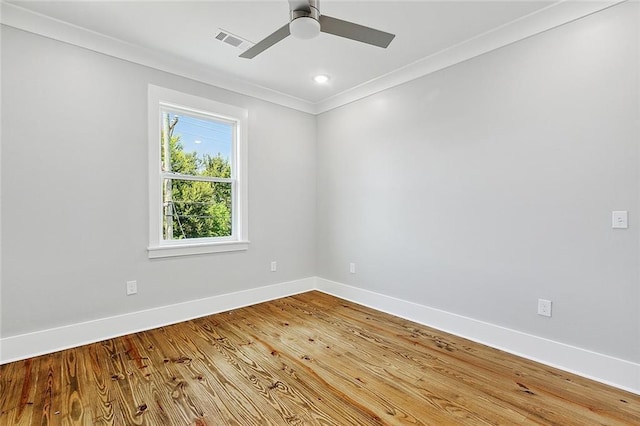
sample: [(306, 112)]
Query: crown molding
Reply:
[(36, 23), (552, 16)]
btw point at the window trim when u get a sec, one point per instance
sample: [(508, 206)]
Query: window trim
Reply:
[(158, 98)]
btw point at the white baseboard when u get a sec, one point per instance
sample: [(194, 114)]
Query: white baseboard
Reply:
[(41, 342), (602, 368)]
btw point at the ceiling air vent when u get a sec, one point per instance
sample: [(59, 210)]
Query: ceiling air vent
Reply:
[(232, 39)]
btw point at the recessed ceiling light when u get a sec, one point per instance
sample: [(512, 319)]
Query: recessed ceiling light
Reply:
[(321, 78)]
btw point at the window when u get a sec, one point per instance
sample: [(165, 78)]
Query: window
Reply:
[(197, 175)]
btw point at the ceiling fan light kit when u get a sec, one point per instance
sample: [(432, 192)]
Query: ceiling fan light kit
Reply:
[(306, 22), (304, 28)]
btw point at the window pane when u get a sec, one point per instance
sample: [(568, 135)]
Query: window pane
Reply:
[(194, 209), (196, 146)]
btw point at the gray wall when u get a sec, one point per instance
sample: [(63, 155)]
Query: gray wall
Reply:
[(477, 189), (483, 187), (74, 190)]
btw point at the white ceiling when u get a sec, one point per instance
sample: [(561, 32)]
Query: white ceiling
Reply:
[(182, 33)]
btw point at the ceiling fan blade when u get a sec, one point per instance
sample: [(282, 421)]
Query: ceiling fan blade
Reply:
[(353, 31), (266, 43)]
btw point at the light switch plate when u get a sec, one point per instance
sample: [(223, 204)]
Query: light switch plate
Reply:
[(620, 219), (132, 287)]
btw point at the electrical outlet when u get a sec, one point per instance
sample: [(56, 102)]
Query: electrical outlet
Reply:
[(132, 287), (544, 307), (352, 268), (274, 266)]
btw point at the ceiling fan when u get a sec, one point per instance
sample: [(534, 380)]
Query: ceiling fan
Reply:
[(306, 22)]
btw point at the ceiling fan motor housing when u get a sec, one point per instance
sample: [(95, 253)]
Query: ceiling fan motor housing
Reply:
[(305, 23)]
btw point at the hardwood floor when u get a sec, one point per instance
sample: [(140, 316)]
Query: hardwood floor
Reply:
[(306, 359)]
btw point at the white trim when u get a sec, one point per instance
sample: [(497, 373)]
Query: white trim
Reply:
[(603, 368), (159, 98), (552, 16), (41, 342), (18, 17), (191, 249), (596, 366)]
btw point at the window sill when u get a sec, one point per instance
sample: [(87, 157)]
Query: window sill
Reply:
[(192, 249)]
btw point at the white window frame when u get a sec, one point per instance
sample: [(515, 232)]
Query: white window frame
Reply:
[(159, 98)]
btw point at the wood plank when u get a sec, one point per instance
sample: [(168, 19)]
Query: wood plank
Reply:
[(387, 367), (271, 377), (306, 359), (387, 400), (489, 366), (407, 372)]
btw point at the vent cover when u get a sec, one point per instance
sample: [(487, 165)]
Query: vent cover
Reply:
[(232, 39)]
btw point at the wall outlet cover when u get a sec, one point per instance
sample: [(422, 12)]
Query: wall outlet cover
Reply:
[(544, 307)]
